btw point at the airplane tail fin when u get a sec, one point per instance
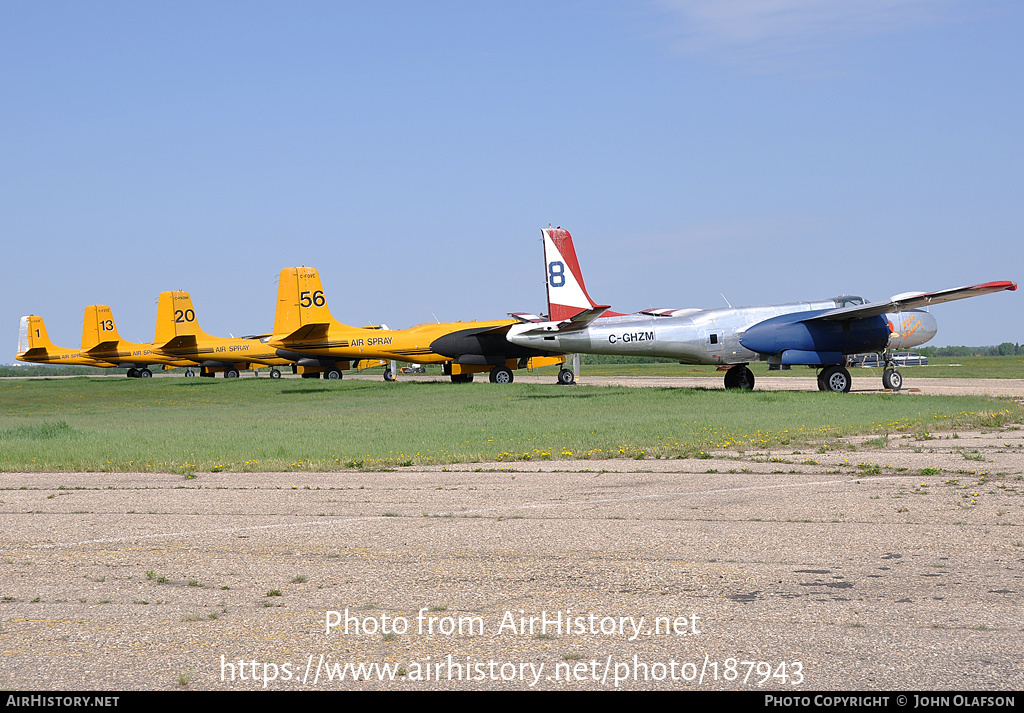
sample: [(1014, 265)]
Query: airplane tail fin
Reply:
[(301, 305), (175, 317), (98, 327), (567, 295), (32, 337)]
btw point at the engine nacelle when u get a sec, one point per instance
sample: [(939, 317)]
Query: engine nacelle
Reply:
[(795, 332), (910, 329)]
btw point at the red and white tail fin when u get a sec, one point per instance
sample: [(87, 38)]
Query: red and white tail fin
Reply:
[(567, 295)]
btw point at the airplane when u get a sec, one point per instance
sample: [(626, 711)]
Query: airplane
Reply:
[(179, 336), (34, 346), (101, 346), (817, 334), (307, 334), (100, 340)]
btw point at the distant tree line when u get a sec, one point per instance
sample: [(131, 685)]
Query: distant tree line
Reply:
[(1004, 349), (44, 370)]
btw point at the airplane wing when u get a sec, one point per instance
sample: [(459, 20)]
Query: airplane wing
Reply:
[(913, 300)]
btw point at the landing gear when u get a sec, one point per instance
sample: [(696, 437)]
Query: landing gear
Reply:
[(314, 375), (145, 373), (739, 377), (189, 372), (133, 373), (388, 376), (501, 375), (333, 373), (892, 379), (566, 377), (836, 379), (275, 373), (461, 378), (231, 373)]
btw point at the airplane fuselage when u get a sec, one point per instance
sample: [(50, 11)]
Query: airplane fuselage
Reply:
[(725, 335)]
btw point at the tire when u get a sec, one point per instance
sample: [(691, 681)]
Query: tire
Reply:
[(231, 373), (739, 377), (501, 375), (388, 376), (566, 377), (461, 378), (821, 381), (145, 373), (275, 373), (892, 379), (837, 380), (132, 373), (189, 372), (333, 374)]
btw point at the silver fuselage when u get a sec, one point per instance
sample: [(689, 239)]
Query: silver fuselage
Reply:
[(698, 337)]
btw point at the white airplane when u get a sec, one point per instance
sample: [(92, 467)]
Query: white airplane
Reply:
[(818, 334)]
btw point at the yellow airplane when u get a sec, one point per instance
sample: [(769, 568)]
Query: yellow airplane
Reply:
[(306, 333), (179, 336), (101, 346), (100, 340), (35, 346)]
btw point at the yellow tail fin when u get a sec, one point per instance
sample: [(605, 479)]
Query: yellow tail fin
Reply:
[(32, 336), (175, 317), (300, 301), (98, 327)]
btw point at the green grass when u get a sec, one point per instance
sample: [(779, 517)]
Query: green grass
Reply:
[(199, 425), (982, 367)]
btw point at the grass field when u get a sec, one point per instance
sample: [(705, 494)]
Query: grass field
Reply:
[(937, 367), (190, 425)]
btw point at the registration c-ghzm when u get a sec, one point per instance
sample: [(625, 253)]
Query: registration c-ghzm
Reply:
[(631, 337)]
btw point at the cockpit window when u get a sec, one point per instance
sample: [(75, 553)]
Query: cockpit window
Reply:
[(848, 300)]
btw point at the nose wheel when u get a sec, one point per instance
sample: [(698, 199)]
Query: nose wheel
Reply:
[(892, 379)]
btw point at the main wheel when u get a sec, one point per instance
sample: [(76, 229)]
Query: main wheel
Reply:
[(739, 377), (566, 377), (501, 375), (132, 373), (332, 373), (461, 378), (231, 373), (388, 376), (892, 379), (821, 381), (275, 373), (189, 372), (145, 373), (837, 379)]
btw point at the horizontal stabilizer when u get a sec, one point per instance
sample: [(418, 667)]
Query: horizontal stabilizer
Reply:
[(185, 341), (668, 312), (308, 332), (576, 323), (525, 317)]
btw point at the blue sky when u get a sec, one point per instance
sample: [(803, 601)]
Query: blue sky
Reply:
[(769, 151)]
